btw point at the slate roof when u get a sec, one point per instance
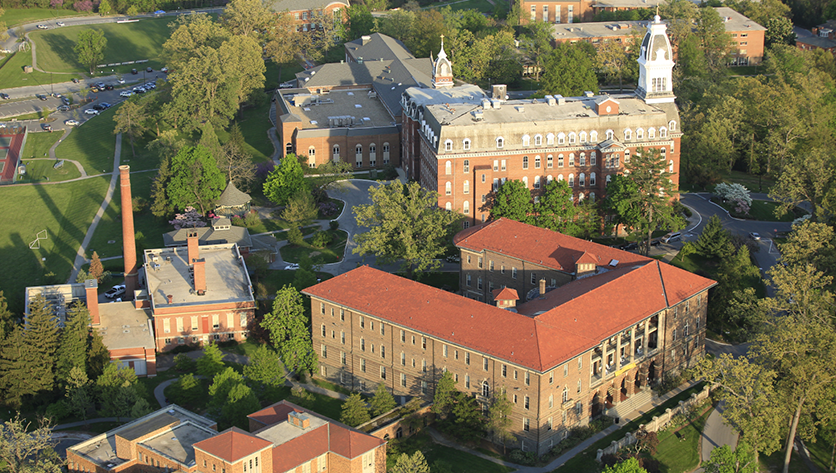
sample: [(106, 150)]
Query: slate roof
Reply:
[(818, 42), (232, 197), (232, 444), (209, 236), (379, 46)]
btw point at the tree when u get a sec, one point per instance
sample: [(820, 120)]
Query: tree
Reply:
[(331, 172), (117, 390), (556, 210), (241, 402), (714, 241), (411, 464), (105, 8), (90, 48), (27, 448), (222, 385), (78, 393), (235, 161), (98, 355), (382, 402), (211, 362), (209, 140), (354, 411), (129, 120), (537, 42), (195, 179), (405, 223), (810, 243), (725, 460), (614, 61), (301, 209), (499, 420), (512, 200), (289, 334), (186, 390), (265, 367), (468, 422), (246, 17), (16, 364), (444, 396), (7, 319), (285, 181), (641, 198), (360, 22), (283, 43), (160, 205), (630, 465), (72, 345), (42, 337), (570, 70), (779, 31), (808, 178)]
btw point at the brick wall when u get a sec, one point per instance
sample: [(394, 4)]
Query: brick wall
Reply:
[(557, 12), (503, 274), (205, 324)]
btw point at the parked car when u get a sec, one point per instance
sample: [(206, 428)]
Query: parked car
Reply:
[(71, 122), (754, 235), (41, 96), (630, 246), (101, 85), (75, 80), (94, 89), (60, 23), (454, 259), (4, 96), (655, 242), (63, 108), (672, 237), (134, 72), (115, 291), (164, 70), (148, 69), (139, 90), (91, 111), (106, 105), (150, 85), (65, 100), (99, 107), (43, 27), (126, 93), (57, 95), (46, 127), (291, 266), (159, 12), (120, 80), (109, 87)]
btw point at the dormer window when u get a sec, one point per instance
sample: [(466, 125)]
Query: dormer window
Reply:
[(610, 134), (572, 138), (663, 132), (466, 144), (593, 136), (526, 140), (550, 138), (640, 134), (500, 142), (628, 135), (561, 139), (582, 136), (651, 133), (448, 145)]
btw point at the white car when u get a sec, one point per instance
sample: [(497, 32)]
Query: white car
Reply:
[(121, 80), (60, 23), (91, 111), (71, 122), (164, 70), (291, 266), (126, 93), (43, 27)]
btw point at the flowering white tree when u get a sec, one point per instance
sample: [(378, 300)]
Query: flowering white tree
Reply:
[(733, 192)]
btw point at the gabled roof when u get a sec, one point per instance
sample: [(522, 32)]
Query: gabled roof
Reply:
[(605, 98), (232, 444), (587, 258), (351, 443), (378, 46), (540, 246), (232, 197), (505, 294), (209, 236), (299, 450)]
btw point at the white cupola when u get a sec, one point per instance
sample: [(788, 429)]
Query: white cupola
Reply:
[(442, 69), (656, 65)]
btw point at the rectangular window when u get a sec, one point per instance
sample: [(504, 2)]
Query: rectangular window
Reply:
[(496, 165), (362, 365), (180, 324), (515, 374), (466, 164), (533, 278), (342, 357), (551, 401), (490, 266), (324, 351), (485, 364), (479, 264), (526, 426), (403, 358), (580, 363), (444, 349), (323, 331), (455, 354), (467, 381), (526, 403), (403, 379), (382, 372), (362, 322), (466, 358), (527, 378), (504, 371), (342, 338), (551, 377), (321, 308), (342, 315), (166, 325), (503, 165), (194, 323), (424, 387), (424, 366), (424, 343), (514, 273)]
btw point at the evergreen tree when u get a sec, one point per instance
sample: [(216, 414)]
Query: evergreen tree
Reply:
[(16, 366), (211, 362), (78, 393), (209, 140), (96, 269), (354, 411), (160, 205), (714, 242), (42, 337), (98, 356), (513, 200), (445, 395), (72, 347), (289, 333), (382, 402), (7, 318)]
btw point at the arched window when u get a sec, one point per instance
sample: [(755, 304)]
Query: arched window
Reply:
[(572, 138), (651, 133), (538, 140), (466, 144), (628, 134), (571, 159), (336, 153), (500, 142), (537, 162), (670, 166), (536, 182), (565, 395), (610, 134), (593, 158), (593, 136), (640, 134), (549, 179), (592, 179), (448, 206), (526, 140), (583, 159), (580, 197), (592, 196), (561, 138), (663, 151), (560, 160), (663, 132), (466, 207), (466, 187), (672, 125), (608, 179), (581, 180), (448, 188), (486, 389), (312, 157), (582, 136), (448, 168), (288, 148), (550, 139), (571, 180), (525, 181), (549, 162), (372, 149), (525, 162), (560, 178), (448, 145), (358, 151), (626, 155)]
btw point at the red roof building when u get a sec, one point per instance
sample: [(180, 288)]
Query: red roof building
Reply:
[(607, 325)]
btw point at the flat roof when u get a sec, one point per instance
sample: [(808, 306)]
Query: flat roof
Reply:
[(285, 431), (168, 273), (122, 325), (734, 21), (147, 425), (598, 29), (357, 108), (178, 443)]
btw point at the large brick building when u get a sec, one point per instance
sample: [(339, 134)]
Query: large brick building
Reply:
[(306, 13), (464, 145), (615, 323), (283, 438)]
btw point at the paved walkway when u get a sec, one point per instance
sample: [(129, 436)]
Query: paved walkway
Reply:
[(79, 257), (716, 433)]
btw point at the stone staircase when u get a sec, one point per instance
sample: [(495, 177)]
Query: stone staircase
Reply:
[(634, 402)]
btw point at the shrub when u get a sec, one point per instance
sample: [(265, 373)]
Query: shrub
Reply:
[(56, 3), (58, 410), (321, 240), (252, 219), (84, 5), (139, 203), (334, 224), (298, 395), (132, 11), (238, 221), (522, 458), (328, 209), (183, 363), (294, 236)]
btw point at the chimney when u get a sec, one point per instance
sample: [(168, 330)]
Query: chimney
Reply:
[(128, 238), (299, 419), (199, 276), (365, 40), (542, 286), (194, 246), (170, 299), (91, 287)]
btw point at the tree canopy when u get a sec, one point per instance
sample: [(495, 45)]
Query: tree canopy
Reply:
[(285, 181), (90, 47), (195, 179), (570, 70), (287, 325)]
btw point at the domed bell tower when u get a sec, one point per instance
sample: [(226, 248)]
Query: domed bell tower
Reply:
[(442, 69), (656, 65)]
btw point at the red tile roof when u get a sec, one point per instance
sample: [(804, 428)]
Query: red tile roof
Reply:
[(232, 445), (274, 414), (301, 449), (540, 246), (351, 443), (547, 331), (505, 294)]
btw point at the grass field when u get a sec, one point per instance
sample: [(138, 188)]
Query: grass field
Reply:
[(458, 461), (680, 451), (12, 75), (64, 211), (330, 254), (125, 42), (22, 16), (254, 123), (92, 144), (764, 211), (37, 146), (482, 5)]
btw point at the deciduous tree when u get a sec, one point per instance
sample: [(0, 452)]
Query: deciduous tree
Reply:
[(195, 179), (235, 161), (570, 70), (725, 460), (241, 402), (27, 448), (211, 362), (415, 463), (354, 411), (289, 334), (512, 200), (405, 225), (383, 401), (285, 181), (301, 209), (222, 385), (556, 210), (499, 420), (246, 17), (445, 395), (90, 48), (630, 465), (810, 177), (265, 367)]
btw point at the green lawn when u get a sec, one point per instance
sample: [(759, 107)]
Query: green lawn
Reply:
[(22, 16), (679, 451), (92, 144), (820, 452), (276, 74), (110, 226), (330, 254), (37, 146), (276, 279), (458, 461), (64, 211), (254, 123), (764, 211), (125, 42), (12, 75), (482, 5)]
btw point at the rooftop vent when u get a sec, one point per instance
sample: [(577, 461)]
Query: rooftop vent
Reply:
[(560, 99), (551, 100), (486, 104), (588, 93), (496, 104), (477, 115), (520, 109)]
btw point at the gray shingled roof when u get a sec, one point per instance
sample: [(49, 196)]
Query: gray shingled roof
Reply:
[(301, 5), (209, 236), (232, 197), (378, 47), (817, 41)]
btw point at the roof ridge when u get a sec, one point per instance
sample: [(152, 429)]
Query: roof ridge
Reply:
[(662, 280)]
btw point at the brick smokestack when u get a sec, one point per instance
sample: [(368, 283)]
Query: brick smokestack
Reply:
[(128, 238), (199, 276), (91, 287), (194, 246)]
